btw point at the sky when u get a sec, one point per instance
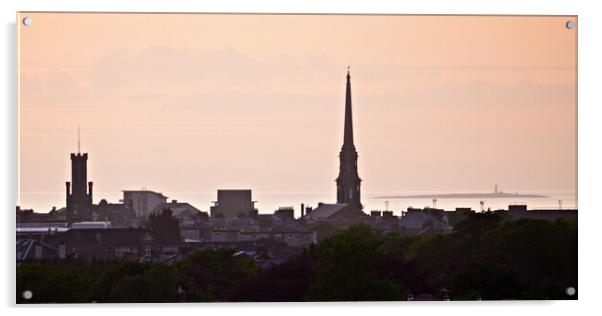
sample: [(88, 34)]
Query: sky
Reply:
[(186, 104)]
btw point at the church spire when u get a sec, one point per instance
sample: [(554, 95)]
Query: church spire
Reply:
[(348, 181), (348, 138)]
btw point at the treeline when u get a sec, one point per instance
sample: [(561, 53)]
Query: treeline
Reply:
[(484, 258), (203, 276)]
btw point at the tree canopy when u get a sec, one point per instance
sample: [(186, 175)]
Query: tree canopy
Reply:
[(165, 226)]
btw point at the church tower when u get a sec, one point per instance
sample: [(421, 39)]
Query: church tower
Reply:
[(348, 182)]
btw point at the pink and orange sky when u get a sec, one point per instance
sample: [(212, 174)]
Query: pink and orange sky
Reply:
[(197, 102)]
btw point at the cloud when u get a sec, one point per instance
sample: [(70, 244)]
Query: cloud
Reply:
[(185, 71), (185, 75), (54, 88), (478, 94)]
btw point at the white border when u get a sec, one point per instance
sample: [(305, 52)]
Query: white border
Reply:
[(590, 158)]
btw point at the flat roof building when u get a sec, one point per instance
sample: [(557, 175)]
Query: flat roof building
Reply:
[(233, 203), (143, 201)]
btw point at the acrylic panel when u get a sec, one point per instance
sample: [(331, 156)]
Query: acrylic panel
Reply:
[(295, 157)]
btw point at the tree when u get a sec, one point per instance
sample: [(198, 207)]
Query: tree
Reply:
[(487, 281), (432, 255), (544, 253), (468, 235), (345, 270), (287, 282), (55, 282), (158, 283), (476, 224), (111, 273), (207, 275), (165, 226)]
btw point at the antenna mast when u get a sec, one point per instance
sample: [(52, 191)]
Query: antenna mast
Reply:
[(78, 146)]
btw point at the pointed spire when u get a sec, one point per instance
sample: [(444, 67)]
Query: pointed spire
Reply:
[(348, 181), (348, 138)]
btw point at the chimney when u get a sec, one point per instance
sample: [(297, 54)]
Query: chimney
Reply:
[(308, 210), (68, 191), (90, 191), (62, 251), (302, 210)]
